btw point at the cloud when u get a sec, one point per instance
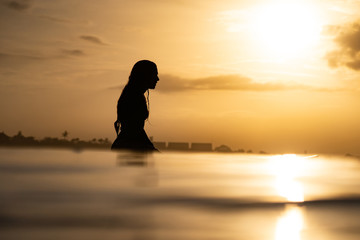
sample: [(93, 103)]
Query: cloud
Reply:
[(18, 5), (18, 60), (55, 19), (330, 30), (73, 52), (171, 83), (348, 52), (5, 57), (9, 61), (92, 39)]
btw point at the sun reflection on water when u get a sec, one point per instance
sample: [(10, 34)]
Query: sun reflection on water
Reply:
[(286, 169), (290, 225)]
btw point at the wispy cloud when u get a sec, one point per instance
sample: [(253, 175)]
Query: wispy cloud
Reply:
[(18, 5), (11, 60), (171, 83), (55, 19), (348, 52), (330, 30), (4, 57), (233, 20), (73, 52), (92, 39)]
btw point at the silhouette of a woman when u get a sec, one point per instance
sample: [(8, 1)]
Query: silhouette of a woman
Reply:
[(132, 109)]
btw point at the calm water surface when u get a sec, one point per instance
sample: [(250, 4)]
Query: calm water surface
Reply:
[(62, 194)]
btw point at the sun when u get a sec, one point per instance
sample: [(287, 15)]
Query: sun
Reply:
[(286, 168), (285, 30)]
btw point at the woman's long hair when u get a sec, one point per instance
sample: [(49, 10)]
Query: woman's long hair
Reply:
[(140, 72), (139, 75)]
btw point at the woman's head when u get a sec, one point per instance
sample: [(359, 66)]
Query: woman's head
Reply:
[(144, 75)]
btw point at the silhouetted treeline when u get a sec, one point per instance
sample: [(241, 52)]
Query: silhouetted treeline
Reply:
[(19, 140)]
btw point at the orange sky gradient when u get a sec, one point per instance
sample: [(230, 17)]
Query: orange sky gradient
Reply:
[(278, 76)]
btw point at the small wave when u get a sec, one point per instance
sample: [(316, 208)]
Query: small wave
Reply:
[(11, 169), (90, 221), (231, 203)]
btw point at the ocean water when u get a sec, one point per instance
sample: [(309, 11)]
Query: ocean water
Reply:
[(64, 194)]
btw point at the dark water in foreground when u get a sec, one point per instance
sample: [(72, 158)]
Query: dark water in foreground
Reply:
[(60, 194)]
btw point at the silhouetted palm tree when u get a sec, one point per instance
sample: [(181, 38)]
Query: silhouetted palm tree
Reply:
[(65, 134)]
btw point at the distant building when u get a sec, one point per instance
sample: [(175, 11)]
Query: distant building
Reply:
[(160, 145), (178, 146), (201, 147), (223, 148)]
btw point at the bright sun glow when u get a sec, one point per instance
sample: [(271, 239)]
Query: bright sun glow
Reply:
[(286, 168), (286, 30)]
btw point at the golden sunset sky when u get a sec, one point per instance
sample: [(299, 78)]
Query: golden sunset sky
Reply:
[(279, 76)]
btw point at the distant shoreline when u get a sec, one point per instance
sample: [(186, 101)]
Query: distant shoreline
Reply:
[(21, 141)]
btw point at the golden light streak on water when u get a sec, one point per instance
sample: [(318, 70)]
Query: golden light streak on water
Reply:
[(290, 225)]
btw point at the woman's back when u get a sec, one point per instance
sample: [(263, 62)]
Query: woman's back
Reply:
[(132, 110)]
